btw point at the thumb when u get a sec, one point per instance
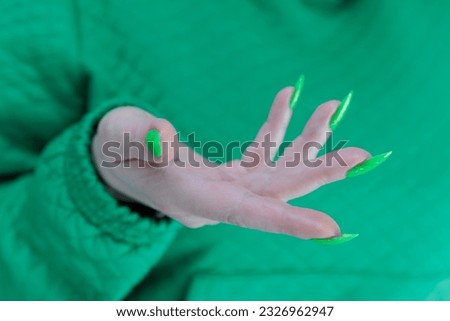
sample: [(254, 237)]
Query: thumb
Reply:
[(130, 133)]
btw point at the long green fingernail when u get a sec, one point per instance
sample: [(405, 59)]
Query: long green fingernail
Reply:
[(340, 111), (344, 238), (368, 165), (297, 91), (154, 142)]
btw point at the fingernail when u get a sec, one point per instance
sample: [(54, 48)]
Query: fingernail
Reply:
[(368, 165), (297, 91), (344, 238), (340, 111), (154, 142)]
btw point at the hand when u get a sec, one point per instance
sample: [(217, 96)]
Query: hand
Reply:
[(249, 196)]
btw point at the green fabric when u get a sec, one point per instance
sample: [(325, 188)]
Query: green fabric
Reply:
[(213, 68)]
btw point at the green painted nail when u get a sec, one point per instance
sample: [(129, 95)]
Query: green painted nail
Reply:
[(154, 142), (344, 238), (297, 91), (368, 165), (340, 111)]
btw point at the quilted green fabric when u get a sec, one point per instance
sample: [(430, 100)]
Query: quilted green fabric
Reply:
[(213, 68)]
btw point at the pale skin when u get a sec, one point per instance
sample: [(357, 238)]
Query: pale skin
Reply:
[(253, 197)]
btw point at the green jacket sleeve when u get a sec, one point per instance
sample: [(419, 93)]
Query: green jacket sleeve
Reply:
[(62, 235)]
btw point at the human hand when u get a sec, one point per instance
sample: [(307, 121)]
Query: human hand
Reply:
[(251, 192)]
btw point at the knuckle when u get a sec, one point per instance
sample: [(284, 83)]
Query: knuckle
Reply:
[(117, 114), (232, 218), (113, 120)]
